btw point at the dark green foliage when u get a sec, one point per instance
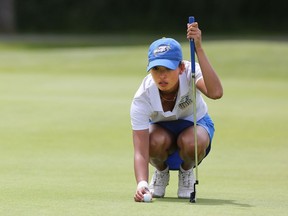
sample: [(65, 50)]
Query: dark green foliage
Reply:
[(92, 16)]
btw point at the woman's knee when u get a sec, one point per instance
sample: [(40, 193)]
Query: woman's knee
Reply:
[(186, 142), (160, 141)]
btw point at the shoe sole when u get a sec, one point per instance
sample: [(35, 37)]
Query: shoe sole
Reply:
[(156, 196)]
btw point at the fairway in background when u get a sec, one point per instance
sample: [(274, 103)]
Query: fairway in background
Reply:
[(65, 134)]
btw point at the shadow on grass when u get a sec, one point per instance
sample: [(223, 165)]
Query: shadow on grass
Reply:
[(204, 201)]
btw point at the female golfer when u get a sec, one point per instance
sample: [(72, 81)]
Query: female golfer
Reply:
[(162, 116)]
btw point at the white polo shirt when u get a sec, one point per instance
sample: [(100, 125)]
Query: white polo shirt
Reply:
[(146, 106)]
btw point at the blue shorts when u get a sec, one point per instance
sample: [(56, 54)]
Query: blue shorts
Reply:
[(176, 127)]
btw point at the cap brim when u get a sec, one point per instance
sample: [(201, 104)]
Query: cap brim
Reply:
[(163, 62)]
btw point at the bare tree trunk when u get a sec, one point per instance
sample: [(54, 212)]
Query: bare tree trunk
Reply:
[(7, 16)]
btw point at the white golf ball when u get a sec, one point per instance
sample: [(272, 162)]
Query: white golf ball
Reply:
[(147, 197)]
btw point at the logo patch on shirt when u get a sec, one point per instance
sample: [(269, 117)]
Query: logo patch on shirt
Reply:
[(161, 49), (185, 102)]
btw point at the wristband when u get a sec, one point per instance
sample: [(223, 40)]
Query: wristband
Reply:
[(142, 184)]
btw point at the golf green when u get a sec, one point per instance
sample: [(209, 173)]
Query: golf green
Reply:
[(65, 134)]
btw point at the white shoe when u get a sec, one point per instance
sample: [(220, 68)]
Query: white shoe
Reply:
[(186, 182), (159, 181)]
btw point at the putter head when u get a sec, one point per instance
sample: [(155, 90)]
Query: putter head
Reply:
[(193, 194)]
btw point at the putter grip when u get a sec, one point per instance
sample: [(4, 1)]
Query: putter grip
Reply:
[(192, 49), (191, 19)]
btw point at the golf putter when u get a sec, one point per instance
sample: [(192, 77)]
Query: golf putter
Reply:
[(192, 53)]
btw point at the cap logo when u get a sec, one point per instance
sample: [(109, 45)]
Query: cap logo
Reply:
[(161, 49)]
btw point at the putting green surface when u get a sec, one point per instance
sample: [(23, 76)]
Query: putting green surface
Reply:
[(65, 134)]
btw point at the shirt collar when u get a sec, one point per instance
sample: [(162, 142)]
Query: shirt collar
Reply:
[(155, 95)]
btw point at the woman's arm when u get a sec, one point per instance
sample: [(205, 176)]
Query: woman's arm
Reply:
[(210, 85), (141, 161)]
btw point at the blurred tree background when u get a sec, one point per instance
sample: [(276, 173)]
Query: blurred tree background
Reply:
[(102, 16)]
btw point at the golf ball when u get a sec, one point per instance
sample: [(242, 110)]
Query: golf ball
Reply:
[(147, 197)]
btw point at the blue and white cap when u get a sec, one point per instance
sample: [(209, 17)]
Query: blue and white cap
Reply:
[(165, 52)]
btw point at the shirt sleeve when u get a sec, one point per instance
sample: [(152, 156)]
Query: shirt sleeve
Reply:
[(140, 114), (198, 72)]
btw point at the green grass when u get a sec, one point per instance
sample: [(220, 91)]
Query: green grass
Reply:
[(65, 133)]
